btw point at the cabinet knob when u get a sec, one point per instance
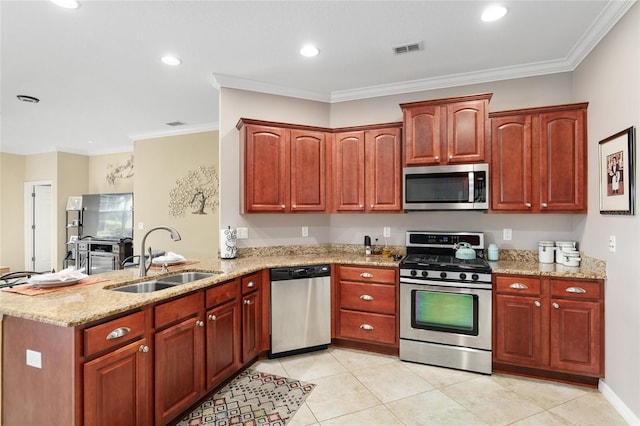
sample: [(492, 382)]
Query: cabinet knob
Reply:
[(366, 327), (247, 302), (555, 305), (544, 205), (293, 206), (282, 206), (212, 317), (527, 205), (251, 284), (143, 348), (366, 297), (437, 158), (518, 286), (451, 157), (361, 206), (537, 303), (366, 275), (372, 206), (200, 323), (118, 332)]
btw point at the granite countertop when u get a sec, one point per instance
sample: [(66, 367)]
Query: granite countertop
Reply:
[(75, 306)]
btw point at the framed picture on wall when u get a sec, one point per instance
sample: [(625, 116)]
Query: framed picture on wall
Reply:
[(616, 157)]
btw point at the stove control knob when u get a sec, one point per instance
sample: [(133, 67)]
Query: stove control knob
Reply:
[(443, 275), (463, 276), (425, 274), (413, 273), (475, 277)]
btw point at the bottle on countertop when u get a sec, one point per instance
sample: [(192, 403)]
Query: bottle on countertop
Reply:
[(493, 253), (367, 245)]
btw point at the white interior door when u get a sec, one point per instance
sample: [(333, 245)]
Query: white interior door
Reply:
[(39, 227)]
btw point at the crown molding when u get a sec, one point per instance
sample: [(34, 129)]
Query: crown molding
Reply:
[(180, 130), (231, 82)]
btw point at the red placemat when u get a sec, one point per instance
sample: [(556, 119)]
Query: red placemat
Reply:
[(31, 290)]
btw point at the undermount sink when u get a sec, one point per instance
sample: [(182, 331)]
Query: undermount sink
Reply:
[(164, 282)]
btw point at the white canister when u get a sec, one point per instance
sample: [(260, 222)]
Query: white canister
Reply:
[(560, 246), (228, 243), (546, 251)]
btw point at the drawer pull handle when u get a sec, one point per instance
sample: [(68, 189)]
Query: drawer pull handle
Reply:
[(537, 303), (143, 348), (212, 317), (366, 327), (366, 297), (519, 286), (251, 284), (575, 290), (366, 275), (118, 333), (200, 323), (555, 305)]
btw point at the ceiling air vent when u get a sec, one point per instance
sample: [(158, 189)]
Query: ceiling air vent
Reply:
[(175, 123), (407, 48)]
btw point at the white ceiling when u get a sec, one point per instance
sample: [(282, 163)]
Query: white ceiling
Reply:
[(97, 73)]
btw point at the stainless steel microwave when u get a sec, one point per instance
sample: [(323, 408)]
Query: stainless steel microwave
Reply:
[(455, 187)]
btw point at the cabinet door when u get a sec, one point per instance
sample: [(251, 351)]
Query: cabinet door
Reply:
[(223, 342), (266, 174), (349, 166), (383, 170), (308, 171), (519, 330), (179, 368), (576, 336), (250, 326), (422, 138), (562, 161), (511, 163), (117, 387), (466, 131)]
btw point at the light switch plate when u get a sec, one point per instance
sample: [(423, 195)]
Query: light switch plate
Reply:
[(305, 231), (507, 234), (612, 243), (242, 233), (386, 232)]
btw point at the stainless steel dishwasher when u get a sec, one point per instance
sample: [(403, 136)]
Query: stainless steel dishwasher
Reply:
[(300, 309)]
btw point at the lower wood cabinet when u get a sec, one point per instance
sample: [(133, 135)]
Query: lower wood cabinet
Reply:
[(551, 326), (251, 316), (366, 307)]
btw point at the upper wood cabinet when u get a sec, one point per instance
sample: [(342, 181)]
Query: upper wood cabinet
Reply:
[(367, 169), (446, 131), (284, 167), (538, 159)]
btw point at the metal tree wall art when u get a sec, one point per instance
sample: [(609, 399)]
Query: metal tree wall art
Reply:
[(197, 190), (121, 171)]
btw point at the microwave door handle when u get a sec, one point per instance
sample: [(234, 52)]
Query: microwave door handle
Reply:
[(471, 190)]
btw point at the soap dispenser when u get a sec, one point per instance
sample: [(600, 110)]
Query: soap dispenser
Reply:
[(367, 245)]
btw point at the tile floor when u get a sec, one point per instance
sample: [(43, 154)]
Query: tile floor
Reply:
[(361, 388)]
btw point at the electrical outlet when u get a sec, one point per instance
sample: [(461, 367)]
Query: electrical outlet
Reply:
[(386, 232), (242, 233), (305, 231), (507, 234), (612, 243)]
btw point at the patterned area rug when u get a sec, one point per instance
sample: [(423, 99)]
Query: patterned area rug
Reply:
[(251, 399)]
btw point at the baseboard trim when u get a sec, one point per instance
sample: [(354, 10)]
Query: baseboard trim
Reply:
[(618, 404)]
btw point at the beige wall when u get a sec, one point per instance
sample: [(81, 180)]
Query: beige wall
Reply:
[(102, 165), (12, 169), (160, 162), (609, 78)]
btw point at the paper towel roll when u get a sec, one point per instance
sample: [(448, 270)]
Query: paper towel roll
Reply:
[(228, 243)]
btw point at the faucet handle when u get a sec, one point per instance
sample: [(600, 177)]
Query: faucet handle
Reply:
[(165, 268)]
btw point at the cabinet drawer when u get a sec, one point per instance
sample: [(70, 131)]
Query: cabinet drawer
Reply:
[(250, 283), (591, 290), (518, 285), (223, 293), (113, 333), (368, 274), (380, 298), (375, 328), (178, 309)]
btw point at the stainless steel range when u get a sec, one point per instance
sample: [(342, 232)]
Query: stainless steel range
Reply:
[(445, 302)]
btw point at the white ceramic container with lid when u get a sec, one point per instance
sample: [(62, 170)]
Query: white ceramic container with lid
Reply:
[(492, 252), (560, 246), (546, 251)]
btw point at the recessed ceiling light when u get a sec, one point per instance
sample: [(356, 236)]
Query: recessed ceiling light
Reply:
[(27, 98), (493, 13), (171, 60), (67, 4), (309, 51)]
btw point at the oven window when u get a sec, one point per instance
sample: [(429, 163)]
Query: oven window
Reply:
[(437, 188), (448, 312)]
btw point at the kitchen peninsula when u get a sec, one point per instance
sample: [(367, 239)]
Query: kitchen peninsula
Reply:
[(58, 331)]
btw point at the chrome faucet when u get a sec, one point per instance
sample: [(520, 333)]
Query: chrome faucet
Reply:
[(175, 236)]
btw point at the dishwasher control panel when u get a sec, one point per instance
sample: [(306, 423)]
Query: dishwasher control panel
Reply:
[(297, 272)]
